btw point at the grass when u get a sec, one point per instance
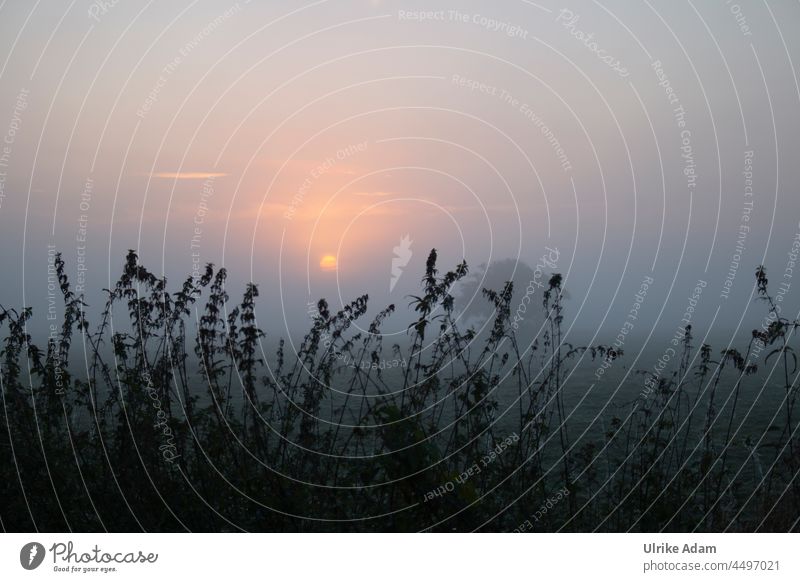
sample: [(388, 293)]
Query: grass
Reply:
[(139, 440)]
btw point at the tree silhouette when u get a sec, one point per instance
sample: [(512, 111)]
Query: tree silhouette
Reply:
[(494, 276)]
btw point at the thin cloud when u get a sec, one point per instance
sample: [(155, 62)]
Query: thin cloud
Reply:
[(189, 175), (372, 193), (307, 165)]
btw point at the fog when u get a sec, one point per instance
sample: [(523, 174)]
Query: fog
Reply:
[(654, 140)]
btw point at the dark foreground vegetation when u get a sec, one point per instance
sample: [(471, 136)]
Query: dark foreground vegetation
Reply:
[(140, 440)]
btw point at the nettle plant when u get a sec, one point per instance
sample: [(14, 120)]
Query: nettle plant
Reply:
[(165, 414)]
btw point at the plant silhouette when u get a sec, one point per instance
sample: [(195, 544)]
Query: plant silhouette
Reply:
[(178, 421)]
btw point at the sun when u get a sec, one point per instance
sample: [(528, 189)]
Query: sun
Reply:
[(328, 263)]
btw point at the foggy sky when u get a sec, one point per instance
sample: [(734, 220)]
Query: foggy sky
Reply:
[(641, 140)]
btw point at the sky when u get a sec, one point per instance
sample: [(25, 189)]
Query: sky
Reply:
[(321, 149)]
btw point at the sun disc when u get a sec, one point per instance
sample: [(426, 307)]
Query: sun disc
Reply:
[(328, 263)]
